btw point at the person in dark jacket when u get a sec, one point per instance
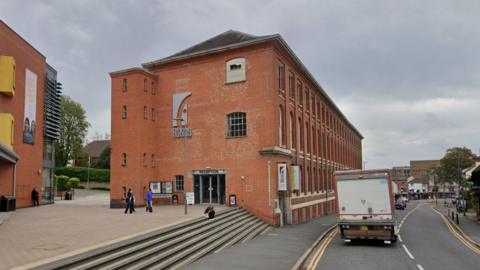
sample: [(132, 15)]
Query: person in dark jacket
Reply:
[(210, 212), (130, 201), (35, 196)]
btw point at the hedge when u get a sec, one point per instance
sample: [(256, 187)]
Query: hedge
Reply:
[(96, 175), (62, 182)]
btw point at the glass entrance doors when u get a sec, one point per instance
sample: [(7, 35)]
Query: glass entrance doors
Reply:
[(209, 188)]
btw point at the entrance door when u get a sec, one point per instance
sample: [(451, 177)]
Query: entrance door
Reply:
[(209, 188)]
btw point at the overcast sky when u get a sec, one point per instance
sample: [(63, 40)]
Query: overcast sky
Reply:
[(405, 73)]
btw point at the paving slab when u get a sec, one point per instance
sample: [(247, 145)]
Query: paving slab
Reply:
[(278, 248), (38, 233)]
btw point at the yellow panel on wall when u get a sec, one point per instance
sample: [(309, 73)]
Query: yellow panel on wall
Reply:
[(6, 129), (7, 75)]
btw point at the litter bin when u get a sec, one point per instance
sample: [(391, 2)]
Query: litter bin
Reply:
[(7, 203), (233, 200), (68, 195), (175, 199)]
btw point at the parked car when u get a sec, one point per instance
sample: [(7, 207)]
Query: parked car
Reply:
[(400, 205)]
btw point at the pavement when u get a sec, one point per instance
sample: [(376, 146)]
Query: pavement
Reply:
[(467, 223), (43, 233), (277, 248)]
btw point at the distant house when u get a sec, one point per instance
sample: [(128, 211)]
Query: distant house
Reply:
[(94, 149)]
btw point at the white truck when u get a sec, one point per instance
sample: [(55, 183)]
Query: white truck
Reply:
[(365, 205)]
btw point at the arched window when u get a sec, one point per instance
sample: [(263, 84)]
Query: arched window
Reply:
[(300, 134), (125, 85), (124, 159), (237, 124), (235, 70), (145, 113), (292, 132), (281, 127), (124, 112), (307, 130), (154, 163), (145, 85)]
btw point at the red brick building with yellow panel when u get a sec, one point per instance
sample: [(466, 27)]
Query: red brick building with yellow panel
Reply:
[(29, 111), (236, 115)]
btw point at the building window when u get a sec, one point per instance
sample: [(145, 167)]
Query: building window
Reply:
[(235, 70), (281, 77), (313, 106), (145, 113), (153, 89), (145, 160), (154, 163), (124, 112), (300, 93), (154, 115), (237, 124), (292, 132), (179, 183), (145, 85), (300, 134), (124, 159), (307, 100), (281, 127), (125, 85), (291, 86)]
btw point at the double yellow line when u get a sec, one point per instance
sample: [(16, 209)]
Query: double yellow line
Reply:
[(458, 235), (321, 249)]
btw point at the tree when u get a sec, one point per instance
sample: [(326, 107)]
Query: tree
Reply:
[(104, 159), (73, 129), (451, 165)]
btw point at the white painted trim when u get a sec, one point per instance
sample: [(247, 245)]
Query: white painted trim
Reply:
[(305, 204)]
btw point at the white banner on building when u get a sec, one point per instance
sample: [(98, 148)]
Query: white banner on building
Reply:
[(29, 121), (282, 177), (295, 177)]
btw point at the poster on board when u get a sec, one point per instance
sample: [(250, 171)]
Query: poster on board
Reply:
[(282, 177), (190, 197), (30, 124), (295, 177)]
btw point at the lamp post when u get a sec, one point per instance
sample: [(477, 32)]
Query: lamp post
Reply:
[(185, 164), (88, 172)]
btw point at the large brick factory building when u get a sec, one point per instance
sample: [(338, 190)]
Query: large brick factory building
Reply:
[(29, 119), (236, 119)]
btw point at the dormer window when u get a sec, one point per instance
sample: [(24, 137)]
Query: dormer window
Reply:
[(235, 70)]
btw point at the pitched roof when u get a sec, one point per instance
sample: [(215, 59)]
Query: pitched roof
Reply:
[(95, 148)]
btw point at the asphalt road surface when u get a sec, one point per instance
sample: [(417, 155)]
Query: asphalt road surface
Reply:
[(425, 243)]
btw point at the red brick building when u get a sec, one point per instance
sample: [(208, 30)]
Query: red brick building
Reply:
[(230, 114), (28, 109)]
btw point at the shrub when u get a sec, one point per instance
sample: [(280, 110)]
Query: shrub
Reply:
[(82, 173), (74, 182), (62, 183)]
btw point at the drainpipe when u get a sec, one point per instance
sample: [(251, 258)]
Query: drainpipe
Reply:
[(14, 178)]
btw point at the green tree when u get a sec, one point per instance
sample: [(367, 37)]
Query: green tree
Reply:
[(451, 165), (73, 129), (104, 159)]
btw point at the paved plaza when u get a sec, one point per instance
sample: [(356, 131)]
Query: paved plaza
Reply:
[(30, 235)]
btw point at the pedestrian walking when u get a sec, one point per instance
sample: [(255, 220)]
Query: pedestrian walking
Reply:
[(210, 212), (130, 201), (35, 196), (149, 207)]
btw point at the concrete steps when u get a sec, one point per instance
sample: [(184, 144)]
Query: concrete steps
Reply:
[(170, 248)]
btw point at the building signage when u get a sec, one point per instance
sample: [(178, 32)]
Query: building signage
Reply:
[(295, 176), (29, 121), (190, 197), (180, 114), (209, 172), (282, 177)]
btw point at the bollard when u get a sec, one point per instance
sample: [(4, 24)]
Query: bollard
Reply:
[(457, 219), (453, 216)]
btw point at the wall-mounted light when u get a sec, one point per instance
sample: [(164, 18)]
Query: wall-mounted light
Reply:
[(242, 177)]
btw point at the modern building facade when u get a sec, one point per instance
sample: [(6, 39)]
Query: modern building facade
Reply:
[(29, 116), (236, 119)]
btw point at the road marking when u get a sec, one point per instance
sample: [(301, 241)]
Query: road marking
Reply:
[(400, 238), (420, 267), (405, 217), (318, 255), (457, 234), (408, 252)]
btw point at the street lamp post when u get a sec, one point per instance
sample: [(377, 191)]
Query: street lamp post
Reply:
[(88, 172)]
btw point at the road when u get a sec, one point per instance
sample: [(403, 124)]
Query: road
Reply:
[(425, 243)]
